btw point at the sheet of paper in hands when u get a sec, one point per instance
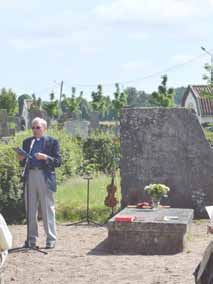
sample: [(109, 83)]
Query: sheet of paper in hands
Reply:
[(20, 151)]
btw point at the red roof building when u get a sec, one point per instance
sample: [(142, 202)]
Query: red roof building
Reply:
[(200, 98)]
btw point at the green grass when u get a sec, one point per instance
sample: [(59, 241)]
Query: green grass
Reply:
[(71, 199), (209, 135)]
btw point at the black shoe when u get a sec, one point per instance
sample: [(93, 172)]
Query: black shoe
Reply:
[(50, 245)]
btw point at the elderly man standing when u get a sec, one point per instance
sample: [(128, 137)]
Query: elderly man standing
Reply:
[(40, 181)]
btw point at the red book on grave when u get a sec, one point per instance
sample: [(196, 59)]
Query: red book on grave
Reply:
[(124, 218)]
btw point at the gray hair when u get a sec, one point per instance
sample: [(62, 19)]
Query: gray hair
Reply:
[(39, 120)]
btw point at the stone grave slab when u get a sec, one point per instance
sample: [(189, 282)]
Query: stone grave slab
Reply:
[(77, 128), (4, 130), (154, 231)]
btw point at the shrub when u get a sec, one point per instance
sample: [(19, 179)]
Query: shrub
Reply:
[(103, 151), (71, 152), (11, 187)]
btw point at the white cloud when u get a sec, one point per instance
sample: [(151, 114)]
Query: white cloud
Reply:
[(10, 4), (139, 36), (19, 5), (149, 10), (134, 66), (30, 43), (133, 70), (180, 58), (63, 29)]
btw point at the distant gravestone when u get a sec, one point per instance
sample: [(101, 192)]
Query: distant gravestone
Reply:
[(94, 120), (165, 145), (25, 114), (37, 113), (117, 130), (4, 130), (18, 122), (12, 131), (14, 122), (77, 128)]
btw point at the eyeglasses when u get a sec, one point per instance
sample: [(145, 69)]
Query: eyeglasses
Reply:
[(36, 127)]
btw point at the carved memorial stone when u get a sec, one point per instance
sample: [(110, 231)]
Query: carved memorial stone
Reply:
[(165, 145)]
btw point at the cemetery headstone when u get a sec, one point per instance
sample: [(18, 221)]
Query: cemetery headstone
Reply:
[(4, 130), (77, 128), (37, 113), (94, 120), (168, 146)]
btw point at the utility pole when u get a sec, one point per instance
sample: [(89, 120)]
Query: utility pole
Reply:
[(61, 92), (211, 54)]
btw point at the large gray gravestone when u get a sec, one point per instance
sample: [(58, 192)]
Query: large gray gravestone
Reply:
[(4, 130), (154, 231), (94, 120), (18, 123), (25, 114), (77, 128), (14, 122), (166, 145)]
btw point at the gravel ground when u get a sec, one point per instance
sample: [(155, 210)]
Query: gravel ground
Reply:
[(81, 256)]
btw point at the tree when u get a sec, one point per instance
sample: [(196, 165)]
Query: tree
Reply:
[(208, 76), (120, 100), (70, 104), (85, 108), (164, 96), (132, 96), (51, 107), (8, 101), (143, 99), (137, 98), (36, 104), (108, 110), (179, 93), (98, 101)]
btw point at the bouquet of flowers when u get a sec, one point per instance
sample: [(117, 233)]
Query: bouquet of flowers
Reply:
[(157, 190)]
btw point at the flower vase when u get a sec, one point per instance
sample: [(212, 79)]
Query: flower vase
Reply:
[(156, 203)]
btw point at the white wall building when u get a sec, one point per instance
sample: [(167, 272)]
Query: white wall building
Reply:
[(198, 97)]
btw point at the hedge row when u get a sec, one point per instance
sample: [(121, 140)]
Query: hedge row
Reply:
[(103, 151), (11, 192)]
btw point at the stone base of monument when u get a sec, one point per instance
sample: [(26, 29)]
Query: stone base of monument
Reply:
[(153, 231)]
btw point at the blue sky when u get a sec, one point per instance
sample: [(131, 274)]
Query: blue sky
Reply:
[(85, 43)]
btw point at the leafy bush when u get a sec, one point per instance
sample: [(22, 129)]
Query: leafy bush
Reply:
[(11, 187), (71, 152), (103, 151), (209, 135)]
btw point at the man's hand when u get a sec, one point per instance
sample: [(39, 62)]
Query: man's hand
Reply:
[(41, 156)]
